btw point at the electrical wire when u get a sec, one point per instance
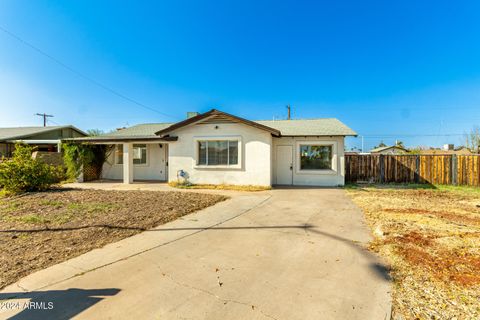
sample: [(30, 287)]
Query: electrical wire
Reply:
[(81, 75)]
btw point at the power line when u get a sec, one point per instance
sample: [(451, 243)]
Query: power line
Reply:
[(54, 122), (81, 75)]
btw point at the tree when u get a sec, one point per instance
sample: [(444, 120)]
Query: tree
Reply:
[(472, 139), (400, 144), (94, 132), (380, 145)]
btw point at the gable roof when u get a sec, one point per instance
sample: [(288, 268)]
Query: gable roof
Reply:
[(159, 131), (220, 114), (310, 127), (22, 132), (380, 149)]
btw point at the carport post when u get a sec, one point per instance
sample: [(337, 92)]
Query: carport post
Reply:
[(127, 163)]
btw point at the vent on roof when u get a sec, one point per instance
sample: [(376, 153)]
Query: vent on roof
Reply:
[(192, 114)]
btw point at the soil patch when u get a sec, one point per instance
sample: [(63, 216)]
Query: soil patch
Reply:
[(38, 230)]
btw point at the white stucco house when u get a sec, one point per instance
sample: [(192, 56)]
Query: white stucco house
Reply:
[(219, 148)]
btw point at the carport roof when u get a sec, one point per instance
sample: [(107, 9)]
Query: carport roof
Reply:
[(22, 132)]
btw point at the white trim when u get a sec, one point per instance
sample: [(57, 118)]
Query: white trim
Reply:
[(332, 171), (237, 138), (45, 141)]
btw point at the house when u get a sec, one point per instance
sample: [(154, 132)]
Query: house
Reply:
[(389, 150), (42, 138), (461, 151), (219, 148)]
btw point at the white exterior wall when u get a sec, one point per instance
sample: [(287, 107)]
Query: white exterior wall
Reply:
[(254, 155), (334, 177), (154, 169)]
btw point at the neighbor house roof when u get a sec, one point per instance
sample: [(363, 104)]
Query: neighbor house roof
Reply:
[(15, 133), (380, 149), (463, 151), (310, 127)]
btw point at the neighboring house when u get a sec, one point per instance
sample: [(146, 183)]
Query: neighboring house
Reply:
[(389, 150), (219, 148), (462, 151), (42, 138)]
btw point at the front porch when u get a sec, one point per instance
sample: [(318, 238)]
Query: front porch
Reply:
[(129, 159), (131, 162)]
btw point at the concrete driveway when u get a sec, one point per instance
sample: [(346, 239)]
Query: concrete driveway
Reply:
[(281, 254)]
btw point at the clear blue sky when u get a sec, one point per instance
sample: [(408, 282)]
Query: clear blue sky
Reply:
[(386, 68)]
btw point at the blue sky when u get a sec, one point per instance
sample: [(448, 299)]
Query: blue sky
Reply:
[(407, 70)]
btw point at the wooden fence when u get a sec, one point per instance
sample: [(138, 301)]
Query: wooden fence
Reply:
[(433, 169)]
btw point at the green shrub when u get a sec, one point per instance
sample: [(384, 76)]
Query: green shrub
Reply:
[(23, 173), (77, 155)]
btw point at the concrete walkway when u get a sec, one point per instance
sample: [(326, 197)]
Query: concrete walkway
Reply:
[(280, 254)]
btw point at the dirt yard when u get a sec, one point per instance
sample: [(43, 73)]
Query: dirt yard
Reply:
[(41, 229), (431, 239)]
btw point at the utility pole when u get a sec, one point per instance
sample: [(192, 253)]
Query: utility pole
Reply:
[(44, 115), (289, 111)]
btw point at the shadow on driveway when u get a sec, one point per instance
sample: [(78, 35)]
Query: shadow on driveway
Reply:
[(380, 270), (55, 304)]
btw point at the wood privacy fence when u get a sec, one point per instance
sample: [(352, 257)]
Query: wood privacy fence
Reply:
[(433, 169)]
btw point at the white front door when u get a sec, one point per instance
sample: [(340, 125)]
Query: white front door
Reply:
[(284, 166), (163, 159)]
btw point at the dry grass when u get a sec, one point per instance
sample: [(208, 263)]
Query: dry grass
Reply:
[(219, 187), (431, 238)]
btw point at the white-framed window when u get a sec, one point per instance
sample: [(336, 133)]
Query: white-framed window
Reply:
[(218, 152), (118, 154), (316, 157), (139, 154)]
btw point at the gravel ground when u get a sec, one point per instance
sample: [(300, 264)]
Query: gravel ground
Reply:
[(42, 229), (431, 238)]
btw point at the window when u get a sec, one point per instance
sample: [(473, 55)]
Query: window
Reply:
[(139, 154), (217, 152), (315, 157), (119, 153)]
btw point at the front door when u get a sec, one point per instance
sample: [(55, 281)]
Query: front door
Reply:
[(284, 167)]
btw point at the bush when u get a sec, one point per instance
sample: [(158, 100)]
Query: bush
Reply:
[(23, 173), (78, 155)]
